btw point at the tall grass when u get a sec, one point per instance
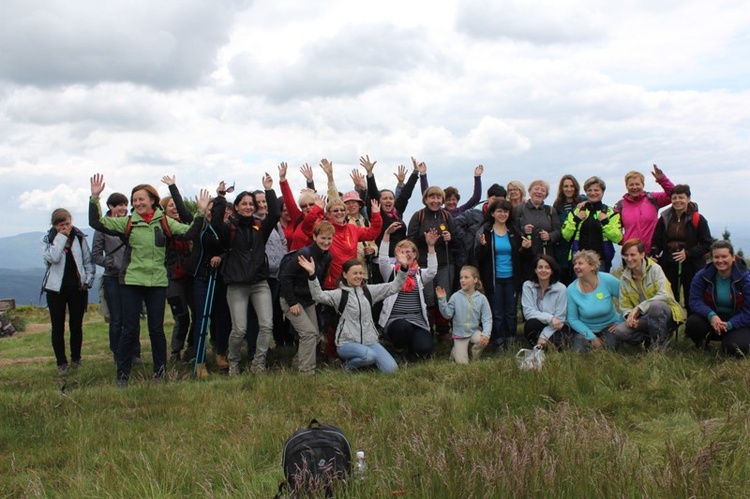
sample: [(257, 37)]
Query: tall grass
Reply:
[(628, 424)]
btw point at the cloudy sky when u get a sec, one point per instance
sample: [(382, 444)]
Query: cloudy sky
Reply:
[(212, 90)]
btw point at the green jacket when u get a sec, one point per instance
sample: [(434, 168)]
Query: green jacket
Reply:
[(611, 231), (654, 286), (146, 247)]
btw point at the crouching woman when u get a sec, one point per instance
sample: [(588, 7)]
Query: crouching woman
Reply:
[(356, 337)]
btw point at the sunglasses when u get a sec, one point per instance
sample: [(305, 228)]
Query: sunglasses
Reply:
[(230, 189), (338, 210)]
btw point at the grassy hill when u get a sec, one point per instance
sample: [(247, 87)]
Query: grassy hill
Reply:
[(626, 424)]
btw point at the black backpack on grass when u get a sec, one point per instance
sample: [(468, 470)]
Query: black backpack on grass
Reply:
[(315, 458)]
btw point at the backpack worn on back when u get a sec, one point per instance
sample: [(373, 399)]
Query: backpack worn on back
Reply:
[(315, 458), (164, 227)]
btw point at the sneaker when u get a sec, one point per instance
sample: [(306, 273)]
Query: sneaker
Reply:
[(201, 371), (234, 369), (76, 364), (257, 369), (221, 362), (63, 369), (121, 383)]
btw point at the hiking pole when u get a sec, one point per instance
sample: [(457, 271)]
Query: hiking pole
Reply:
[(200, 352)]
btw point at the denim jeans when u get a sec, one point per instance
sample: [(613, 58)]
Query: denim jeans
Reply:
[(503, 305), (111, 287), (132, 299), (358, 355), (75, 301), (582, 345), (238, 298)]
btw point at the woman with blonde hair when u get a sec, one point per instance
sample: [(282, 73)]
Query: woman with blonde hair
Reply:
[(516, 193)]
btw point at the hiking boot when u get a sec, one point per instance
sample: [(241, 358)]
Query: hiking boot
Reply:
[(76, 364), (234, 369), (201, 371), (221, 362), (257, 369), (63, 369)]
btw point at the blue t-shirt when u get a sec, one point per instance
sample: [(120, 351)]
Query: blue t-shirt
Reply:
[(589, 313), (503, 260)]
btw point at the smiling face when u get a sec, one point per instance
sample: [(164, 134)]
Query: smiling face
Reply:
[(171, 209), (354, 276), (337, 213), (680, 202), (451, 202), (514, 195), (284, 217), (323, 240), (387, 200), (633, 258), (500, 216), (543, 271), (433, 202), (118, 211), (723, 260), (142, 202), (352, 208), (245, 206), (594, 193), (306, 202), (260, 200), (634, 186), (537, 194), (207, 213), (569, 189)]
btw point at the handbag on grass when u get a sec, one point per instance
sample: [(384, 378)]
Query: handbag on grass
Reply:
[(530, 359)]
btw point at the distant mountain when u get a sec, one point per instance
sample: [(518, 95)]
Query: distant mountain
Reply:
[(22, 268)]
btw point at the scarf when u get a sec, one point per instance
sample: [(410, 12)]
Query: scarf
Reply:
[(411, 276), (393, 214)]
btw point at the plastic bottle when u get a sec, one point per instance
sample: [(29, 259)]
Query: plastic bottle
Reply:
[(360, 467)]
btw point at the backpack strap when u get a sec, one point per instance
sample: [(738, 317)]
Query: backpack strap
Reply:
[(129, 228), (696, 219), (345, 298)]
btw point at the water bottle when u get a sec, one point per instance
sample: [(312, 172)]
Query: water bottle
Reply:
[(360, 467)]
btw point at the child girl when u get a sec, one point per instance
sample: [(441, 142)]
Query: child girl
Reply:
[(471, 314), (356, 337)]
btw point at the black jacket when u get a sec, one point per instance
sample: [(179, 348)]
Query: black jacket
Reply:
[(293, 286), (697, 239), (486, 257)]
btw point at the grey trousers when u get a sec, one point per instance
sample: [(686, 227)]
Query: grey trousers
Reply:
[(239, 296), (306, 325)]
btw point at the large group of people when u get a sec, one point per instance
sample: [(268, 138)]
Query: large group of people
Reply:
[(347, 276)]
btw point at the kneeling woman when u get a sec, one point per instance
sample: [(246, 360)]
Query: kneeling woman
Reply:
[(591, 309), (646, 300), (356, 337), (545, 305), (720, 302)]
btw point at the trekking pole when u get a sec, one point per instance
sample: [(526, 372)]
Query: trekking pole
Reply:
[(200, 351)]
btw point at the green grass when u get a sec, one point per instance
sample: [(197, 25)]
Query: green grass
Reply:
[(627, 424)]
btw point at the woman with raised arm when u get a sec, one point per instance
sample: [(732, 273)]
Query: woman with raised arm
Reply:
[(404, 316), (681, 241), (67, 280), (720, 301), (646, 301), (108, 251), (246, 273), (291, 214), (638, 209), (144, 276), (356, 336)]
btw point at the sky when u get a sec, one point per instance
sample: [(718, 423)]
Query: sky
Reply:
[(225, 90)]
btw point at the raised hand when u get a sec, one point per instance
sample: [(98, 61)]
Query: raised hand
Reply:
[(440, 292), (267, 181), (431, 237), (364, 162), (307, 171), (327, 167), (97, 184), (393, 227), (202, 200), (358, 179), (375, 206), (320, 201), (657, 173), (400, 174), (478, 171), (308, 265), (166, 179), (282, 171)]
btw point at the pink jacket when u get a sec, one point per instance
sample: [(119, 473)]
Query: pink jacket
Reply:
[(640, 215)]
